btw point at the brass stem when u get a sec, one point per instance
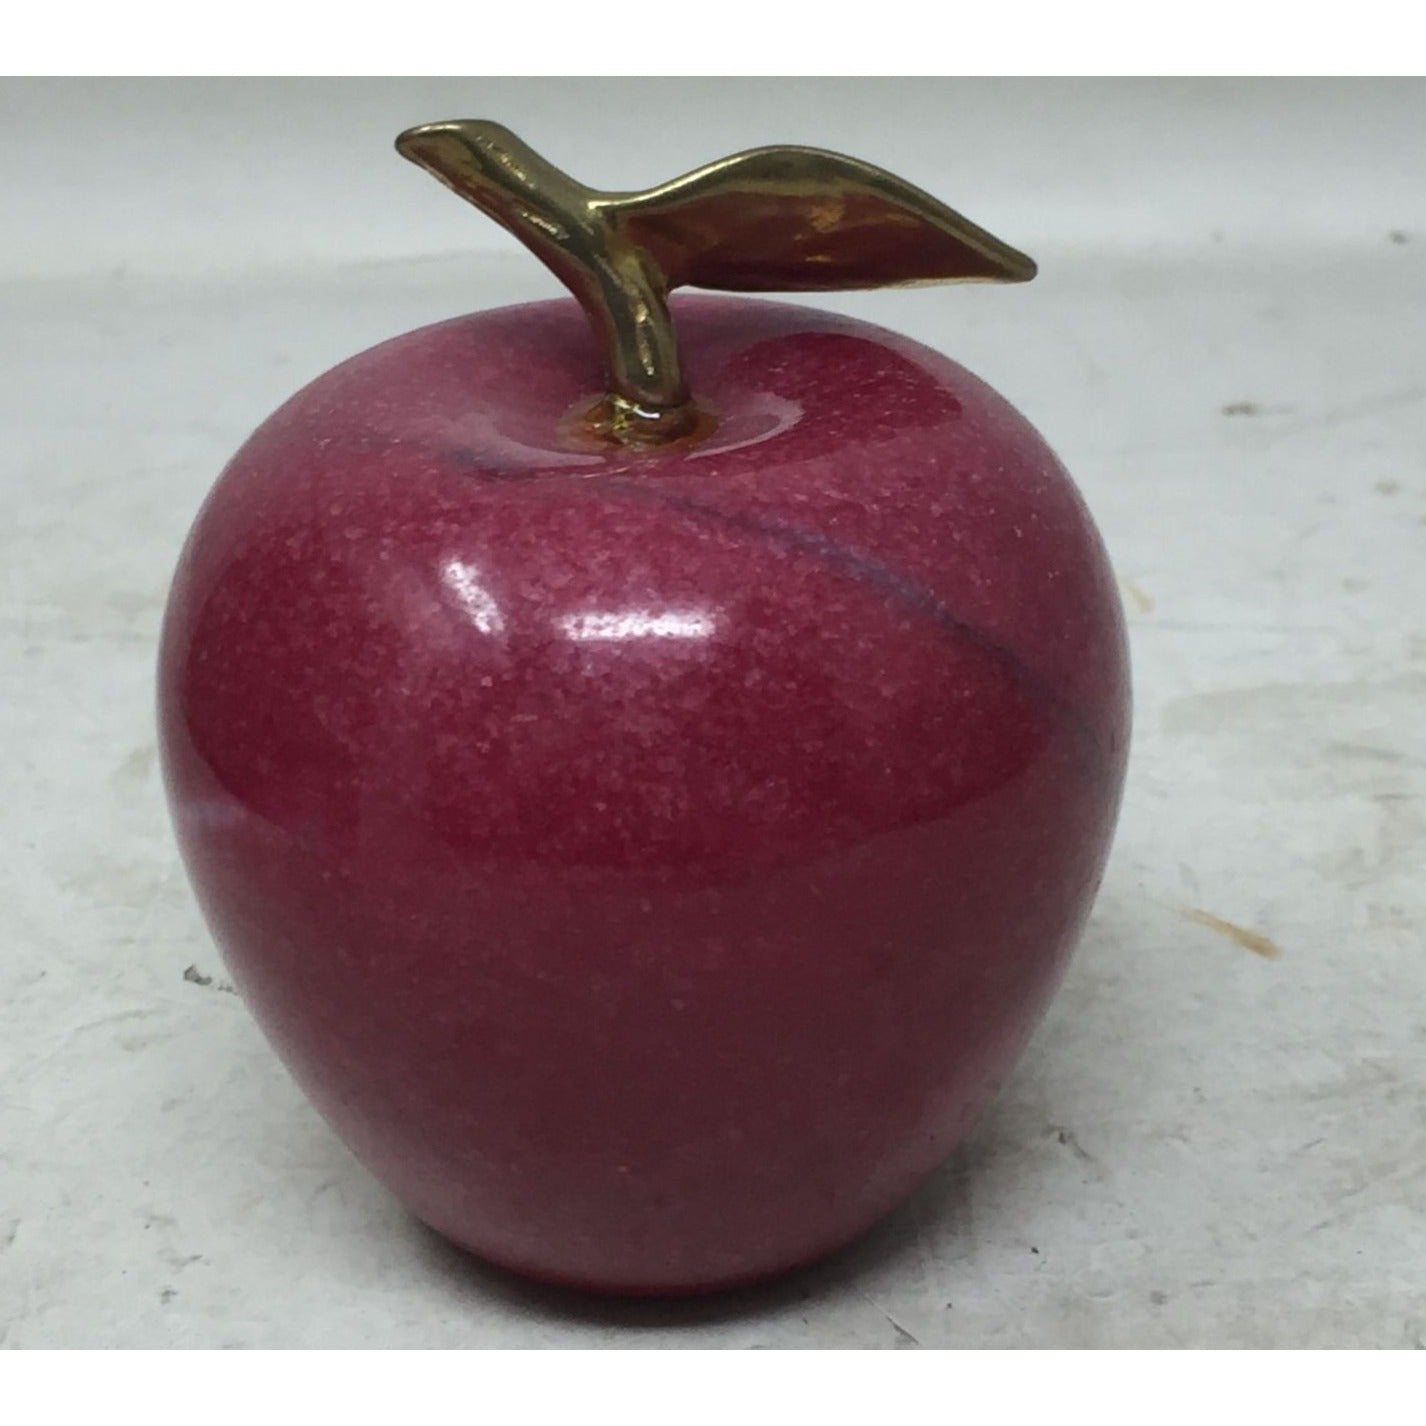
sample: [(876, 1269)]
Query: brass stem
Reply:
[(621, 289), (776, 219)]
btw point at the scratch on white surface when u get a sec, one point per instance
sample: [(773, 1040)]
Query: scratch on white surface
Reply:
[(1387, 401), (1256, 705), (1370, 752), (116, 1017), (1362, 1078), (904, 1338), (1068, 1138), (1367, 1195)]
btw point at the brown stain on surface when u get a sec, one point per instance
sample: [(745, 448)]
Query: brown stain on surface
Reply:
[(1253, 941), (137, 766)]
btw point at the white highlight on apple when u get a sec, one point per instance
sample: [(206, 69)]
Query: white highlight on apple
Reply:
[(463, 580), (637, 624)]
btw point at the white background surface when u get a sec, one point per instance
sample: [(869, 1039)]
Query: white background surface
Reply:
[(1204, 1145)]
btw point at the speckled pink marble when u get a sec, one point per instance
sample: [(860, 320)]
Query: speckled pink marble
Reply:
[(649, 863)]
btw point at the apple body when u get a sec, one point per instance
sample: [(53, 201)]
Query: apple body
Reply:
[(649, 862)]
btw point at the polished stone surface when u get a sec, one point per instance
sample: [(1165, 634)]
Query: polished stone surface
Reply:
[(650, 863), (1201, 1146)]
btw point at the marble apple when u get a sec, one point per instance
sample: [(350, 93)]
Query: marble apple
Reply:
[(649, 829)]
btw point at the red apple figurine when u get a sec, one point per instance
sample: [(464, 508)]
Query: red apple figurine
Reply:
[(648, 789)]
